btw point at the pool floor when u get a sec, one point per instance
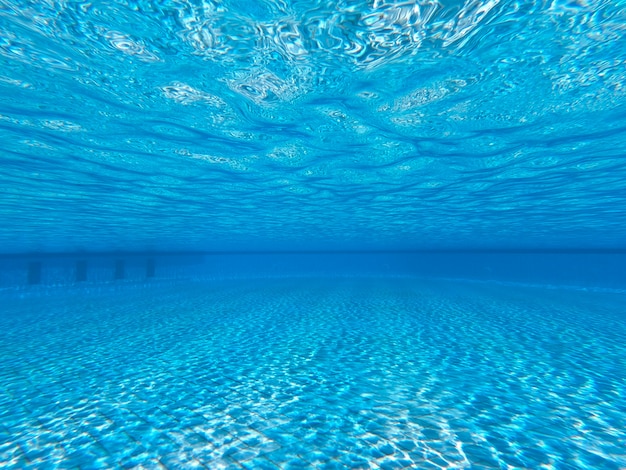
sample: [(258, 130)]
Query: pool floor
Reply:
[(314, 373)]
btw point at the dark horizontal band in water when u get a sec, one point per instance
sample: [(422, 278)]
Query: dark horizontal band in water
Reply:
[(97, 254)]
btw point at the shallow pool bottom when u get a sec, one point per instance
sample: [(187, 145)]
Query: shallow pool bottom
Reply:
[(314, 373)]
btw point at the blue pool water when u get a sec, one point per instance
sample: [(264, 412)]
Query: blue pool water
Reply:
[(316, 373), (312, 234), (318, 124)]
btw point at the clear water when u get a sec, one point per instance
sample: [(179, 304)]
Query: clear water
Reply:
[(311, 124), (316, 373), (403, 228)]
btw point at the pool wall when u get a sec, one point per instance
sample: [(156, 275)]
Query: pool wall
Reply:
[(585, 269)]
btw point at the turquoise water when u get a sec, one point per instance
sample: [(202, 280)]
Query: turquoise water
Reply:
[(284, 234), (215, 125), (315, 373)]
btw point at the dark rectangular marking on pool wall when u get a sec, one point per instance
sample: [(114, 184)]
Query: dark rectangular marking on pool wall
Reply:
[(34, 272), (119, 269), (150, 268), (81, 271)]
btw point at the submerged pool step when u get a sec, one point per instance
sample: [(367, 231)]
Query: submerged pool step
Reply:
[(150, 268), (81, 270), (60, 269), (34, 272), (119, 269), (53, 271)]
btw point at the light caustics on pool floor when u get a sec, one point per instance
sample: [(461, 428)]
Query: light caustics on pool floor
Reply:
[(346, 373)]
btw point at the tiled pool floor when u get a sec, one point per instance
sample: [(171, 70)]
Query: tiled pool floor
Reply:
[(314, 373)]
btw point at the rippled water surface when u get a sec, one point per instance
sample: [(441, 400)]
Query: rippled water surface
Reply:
[(230, 124)]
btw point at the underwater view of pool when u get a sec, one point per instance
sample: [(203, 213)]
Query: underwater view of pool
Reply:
[(280, 234), (315, 373)]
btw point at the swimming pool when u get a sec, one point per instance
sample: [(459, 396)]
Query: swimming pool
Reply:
[(312, 234), (315, 373)]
